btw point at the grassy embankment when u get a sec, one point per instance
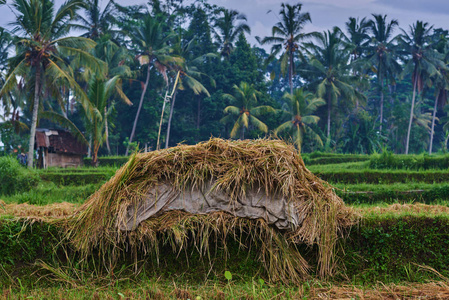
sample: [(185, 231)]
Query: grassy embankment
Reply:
[(396, 241)]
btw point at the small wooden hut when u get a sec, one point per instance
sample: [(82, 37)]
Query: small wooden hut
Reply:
[(58, 148)]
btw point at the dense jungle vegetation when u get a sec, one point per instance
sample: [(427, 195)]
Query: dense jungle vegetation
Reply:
[(163, 73)]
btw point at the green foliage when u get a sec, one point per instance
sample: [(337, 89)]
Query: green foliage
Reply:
[(113, 161), (387, 248), (423, 193), (21, 242), (383, 176), (388, 160), (51, 193), (15, 178), (76, 178)]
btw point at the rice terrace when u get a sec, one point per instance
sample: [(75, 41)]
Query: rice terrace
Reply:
[(224, 149)]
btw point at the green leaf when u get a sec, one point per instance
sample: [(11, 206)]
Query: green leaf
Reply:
[(228, 275)]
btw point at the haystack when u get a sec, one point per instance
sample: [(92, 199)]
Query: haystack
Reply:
[(206, 193)]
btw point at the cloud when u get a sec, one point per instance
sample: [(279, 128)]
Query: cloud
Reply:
[(430, 6)]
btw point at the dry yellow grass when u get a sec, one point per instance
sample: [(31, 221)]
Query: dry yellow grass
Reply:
[(46, 212), (432, 290), (400, 209)]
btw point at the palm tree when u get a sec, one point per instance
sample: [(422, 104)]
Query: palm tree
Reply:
[(356, 43), (245, 97), (358, 38), (441, 83), (116, 58), (40, 50), (5, 45), (381, 56), (189, 76), (423, 61), (286, 35), (329, 65), (299, 108), (95, 115), (95, 22), (154, 51), (227, 31)]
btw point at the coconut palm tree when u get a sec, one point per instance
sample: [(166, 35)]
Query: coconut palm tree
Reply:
[(440, 81), (94, 21), (298, 109), (244, 113), (41, 48), (358, 38), (381, 56), (189, 76), (98, 96), (286, 36), (328, 62), (153, 51), (5, 45), (423, 61), (227, 31)]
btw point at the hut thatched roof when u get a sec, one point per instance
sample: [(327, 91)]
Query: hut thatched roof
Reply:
[(219, 187)]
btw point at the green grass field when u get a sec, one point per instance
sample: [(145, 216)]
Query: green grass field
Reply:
[(400, 244)]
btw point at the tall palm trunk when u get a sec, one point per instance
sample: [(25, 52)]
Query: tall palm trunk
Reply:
[(172, 108), (381, 103), (290, 73), (433, 121), (106, 129), (329, 99), (138, 110), (411, 113), (37, 85)]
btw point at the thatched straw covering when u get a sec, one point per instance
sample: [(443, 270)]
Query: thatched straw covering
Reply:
[(212, 191)]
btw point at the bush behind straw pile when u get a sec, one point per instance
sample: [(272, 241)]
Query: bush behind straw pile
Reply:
[(234, 166), (15, 178)]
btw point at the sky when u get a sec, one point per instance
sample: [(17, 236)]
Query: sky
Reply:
[(324, 13)]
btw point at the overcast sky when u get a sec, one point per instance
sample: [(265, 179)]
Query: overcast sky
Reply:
[(325, 13)]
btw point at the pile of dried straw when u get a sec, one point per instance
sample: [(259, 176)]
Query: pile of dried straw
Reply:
[(207, 193)]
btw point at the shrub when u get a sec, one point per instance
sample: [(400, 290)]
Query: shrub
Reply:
[(388, 160), (108, 161), (15, 178)]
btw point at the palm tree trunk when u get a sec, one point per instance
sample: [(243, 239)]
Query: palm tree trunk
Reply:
[(381, 103), (138, 110), (411, 114), (106, 129), (198, 113), (290, 73), (329, 99), (34, 117), (172, 108), (160, 123), (433, 122)]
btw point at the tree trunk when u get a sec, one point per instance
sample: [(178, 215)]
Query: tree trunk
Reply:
[(411, 114), (433, 121), (198, 113), (138, 109), (37, 85), (172, 108), (329, 99), (106, 129), (290, 71), (160, 123), (89, 149), (381, 104), (95, 155)]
